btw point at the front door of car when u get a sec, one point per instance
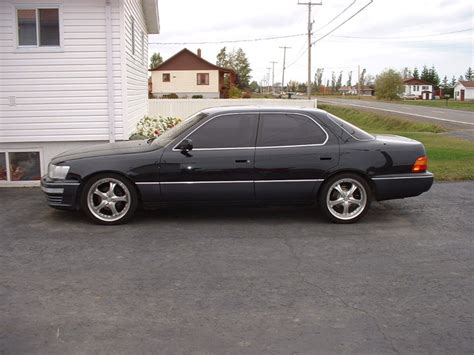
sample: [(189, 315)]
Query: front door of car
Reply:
[(292, 155), (220, 165)]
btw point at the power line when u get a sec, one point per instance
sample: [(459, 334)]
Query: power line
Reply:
[(406, 37), (232, 41), (337, 16), (338, 26)]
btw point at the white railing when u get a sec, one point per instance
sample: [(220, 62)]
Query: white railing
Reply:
[(185, 107)]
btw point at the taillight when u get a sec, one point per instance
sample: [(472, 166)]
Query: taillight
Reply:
[(421, 164)]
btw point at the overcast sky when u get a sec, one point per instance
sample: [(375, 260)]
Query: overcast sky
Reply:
[(407, 30)]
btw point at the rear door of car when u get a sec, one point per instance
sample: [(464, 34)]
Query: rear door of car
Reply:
[(292, 155), (220, 167)]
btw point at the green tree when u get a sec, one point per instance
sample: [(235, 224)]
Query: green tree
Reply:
[(236, 60), (406, 74), (155, 60), (416, 73), (469, 74), (318, 77), (254, 86), (425, 74), (453, 81), (349, 79), (433, 76), (333, 81), (361, 81), (389, 85)]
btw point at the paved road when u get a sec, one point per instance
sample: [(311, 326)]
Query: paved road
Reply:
[(464, 118), (255, 280)]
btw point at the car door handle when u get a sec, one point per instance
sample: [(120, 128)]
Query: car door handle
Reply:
[(325, 158), (242, 161)]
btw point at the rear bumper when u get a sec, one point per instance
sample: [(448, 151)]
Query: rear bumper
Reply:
[(60, 194), (400, 186)]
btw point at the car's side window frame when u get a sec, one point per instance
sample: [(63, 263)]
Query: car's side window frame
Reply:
[(292, 145), (257, 114)]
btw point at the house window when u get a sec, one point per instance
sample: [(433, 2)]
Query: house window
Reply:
[(20, 166), (38, 27), (133, 36), (166, 77), (424, 87), (203, 78)]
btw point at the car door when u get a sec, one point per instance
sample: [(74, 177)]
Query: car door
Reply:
[(220, 167), (292, 155)]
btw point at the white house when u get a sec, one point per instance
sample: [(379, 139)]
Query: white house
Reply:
[(420, 88), (187, 74), (72, 73), (464, 90)]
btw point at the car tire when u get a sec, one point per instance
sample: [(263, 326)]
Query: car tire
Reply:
[(109, 199), (345, 198)]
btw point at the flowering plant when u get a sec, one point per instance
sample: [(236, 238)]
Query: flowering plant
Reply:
[(154, 126)]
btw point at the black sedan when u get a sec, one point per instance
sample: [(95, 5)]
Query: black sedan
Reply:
[(242, 155)]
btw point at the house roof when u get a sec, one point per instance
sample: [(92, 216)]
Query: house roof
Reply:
[(414, 81), (152, 16), (466, 83), (187, 60)]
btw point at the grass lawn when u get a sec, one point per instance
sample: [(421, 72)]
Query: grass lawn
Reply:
[(449, 158)]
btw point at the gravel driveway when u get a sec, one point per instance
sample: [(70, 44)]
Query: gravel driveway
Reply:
[(239, 280)]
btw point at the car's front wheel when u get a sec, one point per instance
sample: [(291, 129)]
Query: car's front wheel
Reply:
[(109, 199), (345, 198)]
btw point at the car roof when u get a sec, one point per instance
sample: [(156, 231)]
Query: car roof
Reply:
[(259, 108)]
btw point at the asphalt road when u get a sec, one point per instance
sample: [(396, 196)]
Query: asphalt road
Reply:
[(458, 117), (239, 280)]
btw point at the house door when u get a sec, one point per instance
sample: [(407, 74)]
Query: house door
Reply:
[(462, 94)]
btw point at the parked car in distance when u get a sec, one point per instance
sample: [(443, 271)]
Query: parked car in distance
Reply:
[(410, 97), (242, 155)]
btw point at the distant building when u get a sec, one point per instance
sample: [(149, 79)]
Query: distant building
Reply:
[(348, 90), (420, 88), (464, 90), (187, 74)]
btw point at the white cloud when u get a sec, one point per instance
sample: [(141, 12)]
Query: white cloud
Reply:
[(196, 21)]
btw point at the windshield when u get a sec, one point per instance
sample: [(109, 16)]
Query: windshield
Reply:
[(174, 132), (354, 131)]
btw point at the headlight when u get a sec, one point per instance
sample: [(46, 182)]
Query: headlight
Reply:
[(57, 171)]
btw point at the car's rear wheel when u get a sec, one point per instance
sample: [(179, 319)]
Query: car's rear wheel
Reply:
[(345, 198), (109, 199)]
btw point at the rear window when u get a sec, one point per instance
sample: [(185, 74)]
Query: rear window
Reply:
[(354, 131)]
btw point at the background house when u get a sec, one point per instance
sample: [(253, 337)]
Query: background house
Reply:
[(72, 73), (464, 90), (186, 74), (422, 89), (348, 90)]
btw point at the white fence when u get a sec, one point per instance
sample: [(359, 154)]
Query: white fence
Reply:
[(185, 107)]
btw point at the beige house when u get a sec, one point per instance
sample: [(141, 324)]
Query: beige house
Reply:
[(187, 74)]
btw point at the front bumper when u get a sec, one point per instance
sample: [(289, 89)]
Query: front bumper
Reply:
[(403, 185), (60, 194)]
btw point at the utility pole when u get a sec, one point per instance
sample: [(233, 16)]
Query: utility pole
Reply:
[(268, 81), (284, 60), (358, 81), (310, 28), (273, 76)]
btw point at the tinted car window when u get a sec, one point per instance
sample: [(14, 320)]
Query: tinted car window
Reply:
[(180, 128), (354, 131), (289, 129), (227, 131)]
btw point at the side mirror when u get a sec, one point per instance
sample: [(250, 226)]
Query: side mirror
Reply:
[(186, 145)]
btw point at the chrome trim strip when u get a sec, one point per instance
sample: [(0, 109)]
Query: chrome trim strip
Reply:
[(264, 147), (147, 183), (204, 182), (402, 177), (49, 190), (294, 180)]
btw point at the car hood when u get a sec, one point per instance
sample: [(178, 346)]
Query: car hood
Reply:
[(126, 147)]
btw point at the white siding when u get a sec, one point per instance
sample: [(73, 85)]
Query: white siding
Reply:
[(184, 82), (136, 65), (60, 94)]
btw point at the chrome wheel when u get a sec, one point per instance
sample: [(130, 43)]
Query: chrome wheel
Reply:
[(346, 199), (108, 199)]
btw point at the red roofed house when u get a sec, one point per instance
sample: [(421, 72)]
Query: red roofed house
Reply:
[(422, 89), (464, 90), (186, 74)]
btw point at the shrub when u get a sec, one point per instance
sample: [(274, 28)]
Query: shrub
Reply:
[(246, 95), (235, 92), (170, 96), (389, 85), (196, 97), (150, 127)]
